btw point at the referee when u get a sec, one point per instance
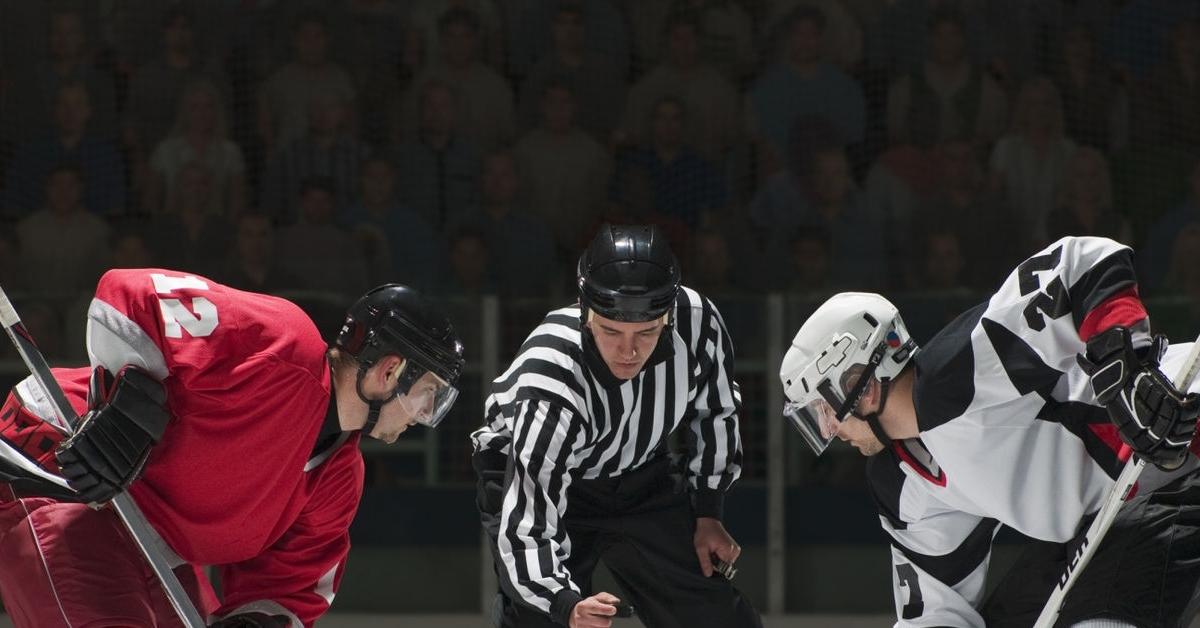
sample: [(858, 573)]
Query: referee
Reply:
[(573, 460)]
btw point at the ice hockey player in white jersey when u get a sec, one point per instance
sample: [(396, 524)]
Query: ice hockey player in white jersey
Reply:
[(1013, 415)]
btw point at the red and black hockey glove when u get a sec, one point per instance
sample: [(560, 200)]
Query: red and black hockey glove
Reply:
[(1151, 415), (253, 620), (127, 417)]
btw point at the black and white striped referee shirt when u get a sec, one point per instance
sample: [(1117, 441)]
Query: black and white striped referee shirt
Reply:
[(561, 416)]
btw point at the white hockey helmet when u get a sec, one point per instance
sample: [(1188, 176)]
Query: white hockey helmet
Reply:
[(822, 386)]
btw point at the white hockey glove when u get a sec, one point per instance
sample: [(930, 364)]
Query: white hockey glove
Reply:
[(1151, 415)]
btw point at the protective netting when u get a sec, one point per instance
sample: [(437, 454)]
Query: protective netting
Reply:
[(471, 147)]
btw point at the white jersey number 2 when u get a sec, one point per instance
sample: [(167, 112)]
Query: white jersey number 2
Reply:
[(199, 321)]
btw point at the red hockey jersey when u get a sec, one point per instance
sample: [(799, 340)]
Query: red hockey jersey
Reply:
[(233, 482)]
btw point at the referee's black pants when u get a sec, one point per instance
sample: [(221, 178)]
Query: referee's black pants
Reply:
[(641, 525)]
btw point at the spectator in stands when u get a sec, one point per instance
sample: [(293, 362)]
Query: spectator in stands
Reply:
[(64, 247), (685, 184), (802, 83), (726, 33), (563, 169), (714, 269), (470, 265), (253, 264), (809, 269), (946, 96), (329, 150), (1173, 97), (396, 241), (900, 39), (137, 31), (187, 233), (961, 200), (1095, 104), (1029, 164), (99, 161), (842, 42), (424, 17), (200, 134), (129, 247), (485, 114), (712, 266), (818, 192), (288, 94), (324, 256), (1085, 204), (520, 246), (377, 44), (943, 264), (599, 86), (1155, 256), (156, 87), (438, 169), (1140, 30), (70, 61), (711, 100), (529, 38)]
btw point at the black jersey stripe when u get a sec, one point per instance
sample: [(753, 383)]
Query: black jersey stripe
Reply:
[(946, 372), (953, 567), (1024, 367), (1110, 276)]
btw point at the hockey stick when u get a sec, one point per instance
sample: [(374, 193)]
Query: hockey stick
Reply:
[(1108, 512), (146, 537)]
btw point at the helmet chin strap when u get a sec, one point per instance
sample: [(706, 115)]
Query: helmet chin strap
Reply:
[(873, 418), (373, 405)]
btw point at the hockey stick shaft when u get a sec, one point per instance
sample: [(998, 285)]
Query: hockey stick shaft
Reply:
[(147, 539), (1108, 512)]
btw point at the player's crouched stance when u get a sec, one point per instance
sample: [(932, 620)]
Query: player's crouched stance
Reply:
[(234, 427), (1013, 415)]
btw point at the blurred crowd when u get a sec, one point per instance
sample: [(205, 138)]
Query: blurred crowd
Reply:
[(472, 146)]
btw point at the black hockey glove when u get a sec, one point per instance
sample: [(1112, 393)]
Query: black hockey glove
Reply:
[(127, 417), (253, 620), (1152, 416)]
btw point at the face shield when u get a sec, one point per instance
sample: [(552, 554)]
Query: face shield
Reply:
[(827, 391), (428, 400)]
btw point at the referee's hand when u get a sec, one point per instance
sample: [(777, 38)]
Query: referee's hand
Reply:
[(710, 540), (595, 612)]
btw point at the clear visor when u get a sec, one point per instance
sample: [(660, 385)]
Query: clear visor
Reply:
[(815, 415), (816, 421), (428, 400)]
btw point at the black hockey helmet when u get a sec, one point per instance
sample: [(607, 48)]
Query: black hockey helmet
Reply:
[(394, 319), (628, 273)]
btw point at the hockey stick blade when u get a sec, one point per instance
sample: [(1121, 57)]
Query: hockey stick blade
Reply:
[(1108, 512), (146, 537)]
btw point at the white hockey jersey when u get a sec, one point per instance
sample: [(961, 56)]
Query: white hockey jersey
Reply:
[(1010, 432)]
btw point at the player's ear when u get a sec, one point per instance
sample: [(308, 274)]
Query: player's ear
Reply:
[(390, 368)]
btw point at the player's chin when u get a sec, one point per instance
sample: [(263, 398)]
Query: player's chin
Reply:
[(870, 449), (387, 437), (627, 371)]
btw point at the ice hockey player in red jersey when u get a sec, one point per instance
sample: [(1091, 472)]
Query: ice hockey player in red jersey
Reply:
[(234, 427), (1013, 415)]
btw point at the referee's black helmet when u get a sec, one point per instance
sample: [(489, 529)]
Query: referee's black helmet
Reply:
[(628, 273)]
